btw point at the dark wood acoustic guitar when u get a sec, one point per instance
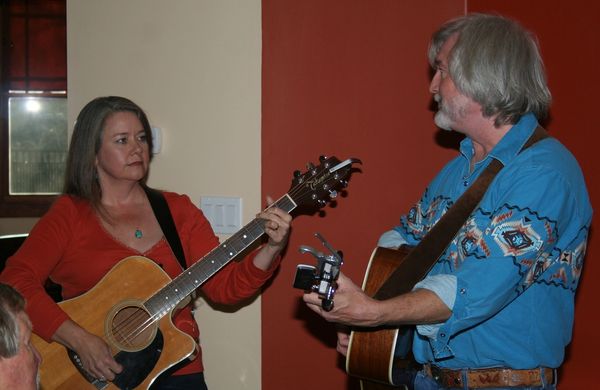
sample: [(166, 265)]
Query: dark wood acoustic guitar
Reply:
[(131, 306)]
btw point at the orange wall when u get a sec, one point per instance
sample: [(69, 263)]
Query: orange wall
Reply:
[(350, 78)]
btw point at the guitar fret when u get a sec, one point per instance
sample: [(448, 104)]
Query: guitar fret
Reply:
[(179, 289), (228, 249), (285, 203), (256, 229), (232, 247)]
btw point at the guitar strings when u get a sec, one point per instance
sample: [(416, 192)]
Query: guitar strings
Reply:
[(129, 335)]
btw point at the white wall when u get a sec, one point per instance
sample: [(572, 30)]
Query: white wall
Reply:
[(194, 66)]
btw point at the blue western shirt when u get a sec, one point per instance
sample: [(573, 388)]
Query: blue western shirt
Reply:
[(510, 274)]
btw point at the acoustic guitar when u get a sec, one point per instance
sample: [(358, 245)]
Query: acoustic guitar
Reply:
[(382, 356), (130, 308)]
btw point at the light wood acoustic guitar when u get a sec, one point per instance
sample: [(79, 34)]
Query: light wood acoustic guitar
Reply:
[(131, 307), (382, 357)]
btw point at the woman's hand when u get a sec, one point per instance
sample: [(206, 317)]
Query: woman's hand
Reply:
[(95, 354), (277, 226)]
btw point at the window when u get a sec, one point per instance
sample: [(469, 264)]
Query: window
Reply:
[(33, 105)]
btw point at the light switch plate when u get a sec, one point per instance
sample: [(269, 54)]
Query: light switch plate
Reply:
[(156, 140), (223, 212)]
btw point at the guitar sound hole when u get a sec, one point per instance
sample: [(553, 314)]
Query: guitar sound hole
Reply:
[(131, 328)]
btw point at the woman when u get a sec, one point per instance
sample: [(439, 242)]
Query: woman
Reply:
[(105, 216)]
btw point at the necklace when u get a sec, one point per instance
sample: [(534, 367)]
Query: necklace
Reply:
[(138, 233)]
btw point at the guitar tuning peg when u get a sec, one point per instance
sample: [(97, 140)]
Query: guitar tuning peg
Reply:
[(311, 168), (298, 176), (344, 183), (333, 194), (324, 160), (321, 202)]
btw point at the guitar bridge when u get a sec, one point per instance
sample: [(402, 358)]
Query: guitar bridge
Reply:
[(97, 383)]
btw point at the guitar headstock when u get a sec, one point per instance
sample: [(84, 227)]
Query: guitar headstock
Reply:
[(322, 182)]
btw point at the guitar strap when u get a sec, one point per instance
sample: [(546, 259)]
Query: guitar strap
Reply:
[(165, 220), (419, 261)]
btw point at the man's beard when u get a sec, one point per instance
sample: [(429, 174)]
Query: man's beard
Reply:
[(444, 117)]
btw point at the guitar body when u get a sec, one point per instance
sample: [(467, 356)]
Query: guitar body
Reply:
[(117, 298), (372, 351)]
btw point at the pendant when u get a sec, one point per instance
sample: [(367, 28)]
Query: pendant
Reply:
[(138, 233)]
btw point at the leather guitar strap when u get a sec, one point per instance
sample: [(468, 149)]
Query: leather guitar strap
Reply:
[(167, 225), (419, 261), (165, 220)]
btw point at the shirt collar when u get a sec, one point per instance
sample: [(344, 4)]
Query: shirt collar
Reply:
[(510, 145)]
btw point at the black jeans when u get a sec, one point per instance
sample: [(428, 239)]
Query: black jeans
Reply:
[(180, 382)]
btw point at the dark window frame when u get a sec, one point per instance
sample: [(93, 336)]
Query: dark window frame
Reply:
[(18, 205)]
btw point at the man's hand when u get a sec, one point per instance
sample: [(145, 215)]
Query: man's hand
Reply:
[(352, 305), (342, 343)]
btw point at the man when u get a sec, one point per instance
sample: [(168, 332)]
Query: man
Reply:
[(19, 360), (501, 296)]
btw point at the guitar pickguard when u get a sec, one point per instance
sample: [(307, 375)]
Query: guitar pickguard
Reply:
[(137, 365)]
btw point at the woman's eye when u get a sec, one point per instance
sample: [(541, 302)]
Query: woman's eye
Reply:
[(142, 138), (121, 140)]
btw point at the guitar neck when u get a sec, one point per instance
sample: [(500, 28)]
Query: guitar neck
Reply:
[(183, 285)]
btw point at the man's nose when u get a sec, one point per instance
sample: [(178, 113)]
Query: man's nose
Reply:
[(435, 83)]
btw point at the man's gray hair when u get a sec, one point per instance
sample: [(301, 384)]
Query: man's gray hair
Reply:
[(11, 304), (497, 63)]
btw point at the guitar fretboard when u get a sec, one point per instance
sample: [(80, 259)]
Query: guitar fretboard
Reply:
[(183, 285)]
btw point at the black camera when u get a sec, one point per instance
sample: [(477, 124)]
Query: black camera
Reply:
[(322, 278)]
